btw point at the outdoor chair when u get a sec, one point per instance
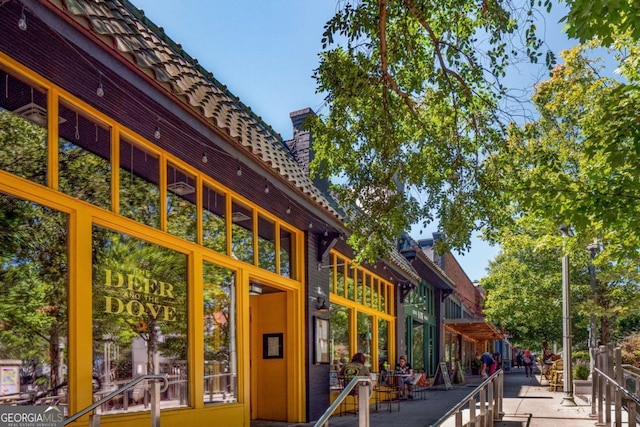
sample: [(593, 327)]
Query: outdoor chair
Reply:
[(556, 375), (386, 392)]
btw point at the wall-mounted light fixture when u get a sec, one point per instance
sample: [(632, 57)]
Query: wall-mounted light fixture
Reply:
[(321, 305), (22, 22)]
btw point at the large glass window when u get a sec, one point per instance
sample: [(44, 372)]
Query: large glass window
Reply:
[(266, 244), (242, 232), (139, 177), (33, 301), (418, 345), (84, 153), (139, 318), (181, 203), (383, 342), (365, 335), (220, 354), (340, 352), (286, 253), (23, 129), (214, 227)]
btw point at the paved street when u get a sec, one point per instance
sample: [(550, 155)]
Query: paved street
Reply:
[(526, 404)]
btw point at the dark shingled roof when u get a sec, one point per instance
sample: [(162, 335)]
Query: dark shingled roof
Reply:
[(136, 39)]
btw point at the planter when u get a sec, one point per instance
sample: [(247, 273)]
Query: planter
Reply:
[(582, 387)]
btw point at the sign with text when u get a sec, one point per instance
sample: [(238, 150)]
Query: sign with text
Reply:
[(31, 416)]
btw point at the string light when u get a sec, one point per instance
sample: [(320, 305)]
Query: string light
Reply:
[(311, 225), (266, 188), (157, 133), (22, 22), (288, 209), (239, 171), (100, 88), (204, 157)]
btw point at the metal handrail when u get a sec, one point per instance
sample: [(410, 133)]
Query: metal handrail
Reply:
[(469, 397), (618, 386), (343, 395), (115, 393)]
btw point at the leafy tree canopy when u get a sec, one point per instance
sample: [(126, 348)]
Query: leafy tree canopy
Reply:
[(415, 103)]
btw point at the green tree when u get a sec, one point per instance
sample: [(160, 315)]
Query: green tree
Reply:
[(414, 98), (577, 165)]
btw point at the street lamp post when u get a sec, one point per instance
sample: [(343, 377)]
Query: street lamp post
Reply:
[(593, 332), (567, 400)]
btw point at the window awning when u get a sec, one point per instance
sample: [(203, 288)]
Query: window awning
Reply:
[(476, 329)]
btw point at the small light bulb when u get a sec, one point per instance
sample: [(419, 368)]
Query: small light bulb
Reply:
[(156, 134), (326, 233), (288, 209), (266, 189), (204, 158), (239, 171), (310, 225), (22, 22), (100, 90)]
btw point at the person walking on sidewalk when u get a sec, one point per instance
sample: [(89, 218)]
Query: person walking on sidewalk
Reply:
[(527, 359)]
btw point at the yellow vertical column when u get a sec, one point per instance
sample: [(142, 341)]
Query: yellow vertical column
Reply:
[(196, 329), (80, 312)]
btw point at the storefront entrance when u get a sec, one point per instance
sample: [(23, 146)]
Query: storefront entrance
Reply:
[(269, 361)]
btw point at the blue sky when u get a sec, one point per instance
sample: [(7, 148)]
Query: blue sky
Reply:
[(265, 52)]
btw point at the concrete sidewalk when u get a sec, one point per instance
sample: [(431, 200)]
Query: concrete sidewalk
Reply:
[(526, 403)]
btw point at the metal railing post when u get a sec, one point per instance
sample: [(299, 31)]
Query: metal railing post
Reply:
[(594, 381), (489, 420), (620, 380), (601, 394), (608, 386), (364, 393), (483, 407), (472, 412)]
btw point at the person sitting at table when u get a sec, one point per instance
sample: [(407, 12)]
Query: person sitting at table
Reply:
[(404, 374), (355, 368)]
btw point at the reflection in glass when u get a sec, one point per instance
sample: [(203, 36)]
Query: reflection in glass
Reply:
[(139, 318), (286, 247), (84, 154), (340, 280), (33, 300), (350, 283), (340, 352), (139, 192), (242, 232), (23, 129), (418, 345), (266, 244), (214, 227), (383, 341), (364, 326), (181, 203), (220, 355)]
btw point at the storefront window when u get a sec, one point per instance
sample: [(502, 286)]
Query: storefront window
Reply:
[(365, 336), (359, 286), (286, 250), (340, 335), (266, 244), (84, 152), (181, 203), (340, 280), (220, 354), (139, 192), (350, 283), (418, 345), (33, 301), (139, 318), (242, 232), (23, 129), (214, 227), (383, 342)]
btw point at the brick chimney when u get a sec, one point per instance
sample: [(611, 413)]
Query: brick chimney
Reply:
[(301, 146)]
